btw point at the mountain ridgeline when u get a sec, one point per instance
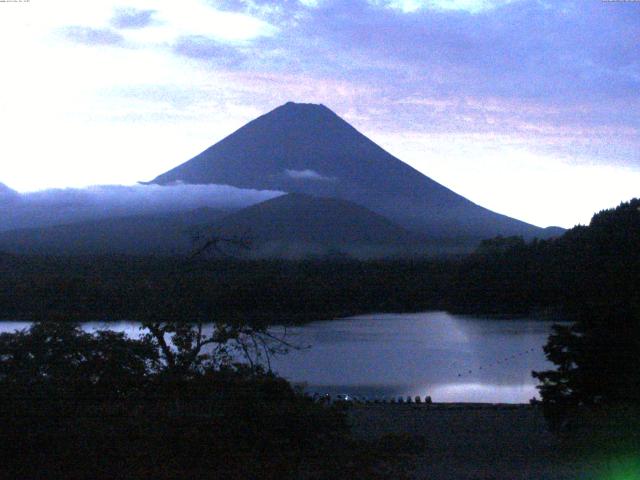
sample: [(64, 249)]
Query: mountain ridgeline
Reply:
[(307, 148), (331, 193), (7, 194), (292, 226)]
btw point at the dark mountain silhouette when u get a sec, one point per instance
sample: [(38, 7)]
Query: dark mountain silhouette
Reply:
[(301, 217), (290, 226), (552, 232), (165, 234), (307, 148), (7, 194), (298, 225)]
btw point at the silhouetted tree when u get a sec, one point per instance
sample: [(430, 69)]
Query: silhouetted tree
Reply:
[(597, 358), (101, 405)]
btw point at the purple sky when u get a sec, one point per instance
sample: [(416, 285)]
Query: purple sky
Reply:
[(528, 107)]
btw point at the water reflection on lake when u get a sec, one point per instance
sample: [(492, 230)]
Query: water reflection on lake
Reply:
[(452, 358), (449, 357)]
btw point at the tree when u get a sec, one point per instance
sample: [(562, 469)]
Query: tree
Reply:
[(101, 405), (189, 348), (597, 358), (55, 352)]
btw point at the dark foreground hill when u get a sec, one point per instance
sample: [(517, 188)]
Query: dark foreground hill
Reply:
[(291, 226), (307, 148), (299, 225), (167, 234)]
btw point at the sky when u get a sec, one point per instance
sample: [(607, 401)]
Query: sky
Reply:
[(528, 107)]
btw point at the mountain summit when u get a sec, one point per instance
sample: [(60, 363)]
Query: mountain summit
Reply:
[(307, 148)]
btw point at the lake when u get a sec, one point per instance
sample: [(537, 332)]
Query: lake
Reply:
[(451, 358)]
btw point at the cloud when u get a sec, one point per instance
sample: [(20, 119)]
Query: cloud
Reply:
[(524, 49), (132, 18), (93, 36), (266, 8), (521, 50), (553, 76), (208, 49), (162, 23), (61, 206), (539, 61), (306, 175), (472, 6), (195, 17)]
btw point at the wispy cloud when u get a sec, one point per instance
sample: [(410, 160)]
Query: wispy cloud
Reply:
[(209, 50), (471, 6), (93, 36), (132, 18), (307, 175)]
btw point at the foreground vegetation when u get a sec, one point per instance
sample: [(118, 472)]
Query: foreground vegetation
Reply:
[(80, 405)]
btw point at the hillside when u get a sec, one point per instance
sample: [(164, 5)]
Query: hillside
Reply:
[(296, 225), (166, 234), (291, 226)]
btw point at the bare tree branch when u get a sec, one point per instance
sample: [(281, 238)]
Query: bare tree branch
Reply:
[(215, 242)]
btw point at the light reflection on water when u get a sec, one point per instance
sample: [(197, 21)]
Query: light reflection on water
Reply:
[(449, 357)]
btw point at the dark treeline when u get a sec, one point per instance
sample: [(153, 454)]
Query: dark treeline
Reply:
[(112, 288), (588, 267), (505, 276)]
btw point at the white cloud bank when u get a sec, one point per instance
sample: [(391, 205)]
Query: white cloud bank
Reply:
[(60, 206)]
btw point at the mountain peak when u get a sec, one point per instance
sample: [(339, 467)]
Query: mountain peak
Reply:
[(307, 148), (301, 112), (304, 106)]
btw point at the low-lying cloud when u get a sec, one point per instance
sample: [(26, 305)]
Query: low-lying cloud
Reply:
[(306, 175), (64, 206)]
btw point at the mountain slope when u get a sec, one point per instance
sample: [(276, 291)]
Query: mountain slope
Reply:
[(166, 234), (309, 149), (300, 217), (7, 194), (290, 226), (298, 225)]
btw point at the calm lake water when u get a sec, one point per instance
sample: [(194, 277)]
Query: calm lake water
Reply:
[(452, 358)]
